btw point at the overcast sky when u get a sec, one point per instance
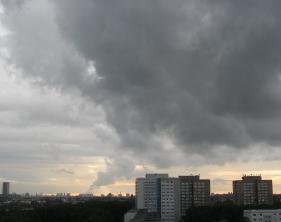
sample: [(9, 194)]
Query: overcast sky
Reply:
[(94, 93)]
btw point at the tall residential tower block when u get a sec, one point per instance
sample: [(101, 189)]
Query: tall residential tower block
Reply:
[(169, 196), (252, 190), (194, 192), (148, 192)]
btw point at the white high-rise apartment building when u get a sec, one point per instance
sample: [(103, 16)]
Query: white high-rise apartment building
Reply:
[(171, 197), (148, 192), (170, 200)]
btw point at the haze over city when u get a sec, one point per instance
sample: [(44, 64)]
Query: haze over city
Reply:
[(95, 93)]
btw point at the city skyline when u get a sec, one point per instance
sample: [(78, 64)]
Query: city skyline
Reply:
[(164, 175), (97, 93)]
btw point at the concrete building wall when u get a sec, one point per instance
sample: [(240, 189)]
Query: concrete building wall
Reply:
[(140, 193), (151, 194), (252, 190), (265, 192), (148, 192), (249, 193), (171, 197), (170, 200), (201, 194), (194, 192)]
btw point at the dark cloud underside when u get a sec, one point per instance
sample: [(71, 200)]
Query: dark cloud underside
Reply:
[(203, 73), (207, 72)]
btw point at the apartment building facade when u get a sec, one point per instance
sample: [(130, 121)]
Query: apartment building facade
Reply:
[(140, 193), (170, 200), (194, 192), (252, 190), (148, 192), (171, 197)]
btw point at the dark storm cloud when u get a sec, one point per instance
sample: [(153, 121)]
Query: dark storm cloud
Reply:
[(206, 72), (202, 73)]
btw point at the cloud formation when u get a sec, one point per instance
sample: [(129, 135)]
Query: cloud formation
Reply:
[(197, 78), (207, 74)]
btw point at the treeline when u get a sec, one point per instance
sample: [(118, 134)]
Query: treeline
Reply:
[(215, 214), (222, 213), (94, 211)]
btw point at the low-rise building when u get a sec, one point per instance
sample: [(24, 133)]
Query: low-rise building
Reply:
[(263, 215)]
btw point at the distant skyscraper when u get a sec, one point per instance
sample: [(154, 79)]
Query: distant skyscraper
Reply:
[(170, 200), (252, 190), (148, 192), (194, 192), (6, 188)]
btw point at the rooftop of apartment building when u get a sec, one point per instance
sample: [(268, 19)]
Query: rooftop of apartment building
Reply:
[(251, 177), (192, 178), (156, 175)]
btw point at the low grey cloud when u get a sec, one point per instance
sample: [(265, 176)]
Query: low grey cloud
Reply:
[(12, 4), (117, 168), (193, 78)]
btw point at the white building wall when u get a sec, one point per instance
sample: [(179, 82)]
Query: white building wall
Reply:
[(170, 200), (140, 193), (263, 215), (151, 193), (148, 192)]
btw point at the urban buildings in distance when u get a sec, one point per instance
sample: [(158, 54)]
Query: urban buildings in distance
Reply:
[(252, 190), (6, 189), (169, 198)]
